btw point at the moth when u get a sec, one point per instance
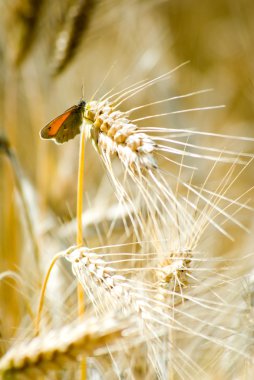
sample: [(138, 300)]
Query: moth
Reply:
[(66, 126)]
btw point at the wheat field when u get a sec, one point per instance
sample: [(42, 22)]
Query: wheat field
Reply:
[(126, 223)]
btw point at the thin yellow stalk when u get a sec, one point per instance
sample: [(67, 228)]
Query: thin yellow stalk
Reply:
[(42, 295), (80, 188)]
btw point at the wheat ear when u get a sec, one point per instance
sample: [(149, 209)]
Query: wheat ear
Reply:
[(141, 150), (113, 133), (70, 35), (93, 272), (21, 183), (150, 301), (59, 349), (172, 272)]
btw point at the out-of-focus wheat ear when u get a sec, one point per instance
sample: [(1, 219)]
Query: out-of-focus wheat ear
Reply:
[(20, 285), (22, 187), (60, 349), (70, 36), (114, 215), (25, 15), (4, 145)]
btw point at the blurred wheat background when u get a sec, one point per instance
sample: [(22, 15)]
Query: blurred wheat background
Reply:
[(51, 54)]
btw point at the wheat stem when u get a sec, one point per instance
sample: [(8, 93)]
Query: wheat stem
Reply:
[(43, 290), (80, 187)]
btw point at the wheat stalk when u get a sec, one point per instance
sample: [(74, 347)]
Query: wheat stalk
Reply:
[(79, 237)]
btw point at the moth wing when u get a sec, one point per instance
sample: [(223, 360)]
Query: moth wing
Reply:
[(51, 129), (70, 126)]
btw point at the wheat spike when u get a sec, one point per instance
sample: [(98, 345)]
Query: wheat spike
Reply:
[(165, 302), (113, 133), (85, 263), (173, 272), (143, 152), (70, 36), (59, 349), (26, 16)]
